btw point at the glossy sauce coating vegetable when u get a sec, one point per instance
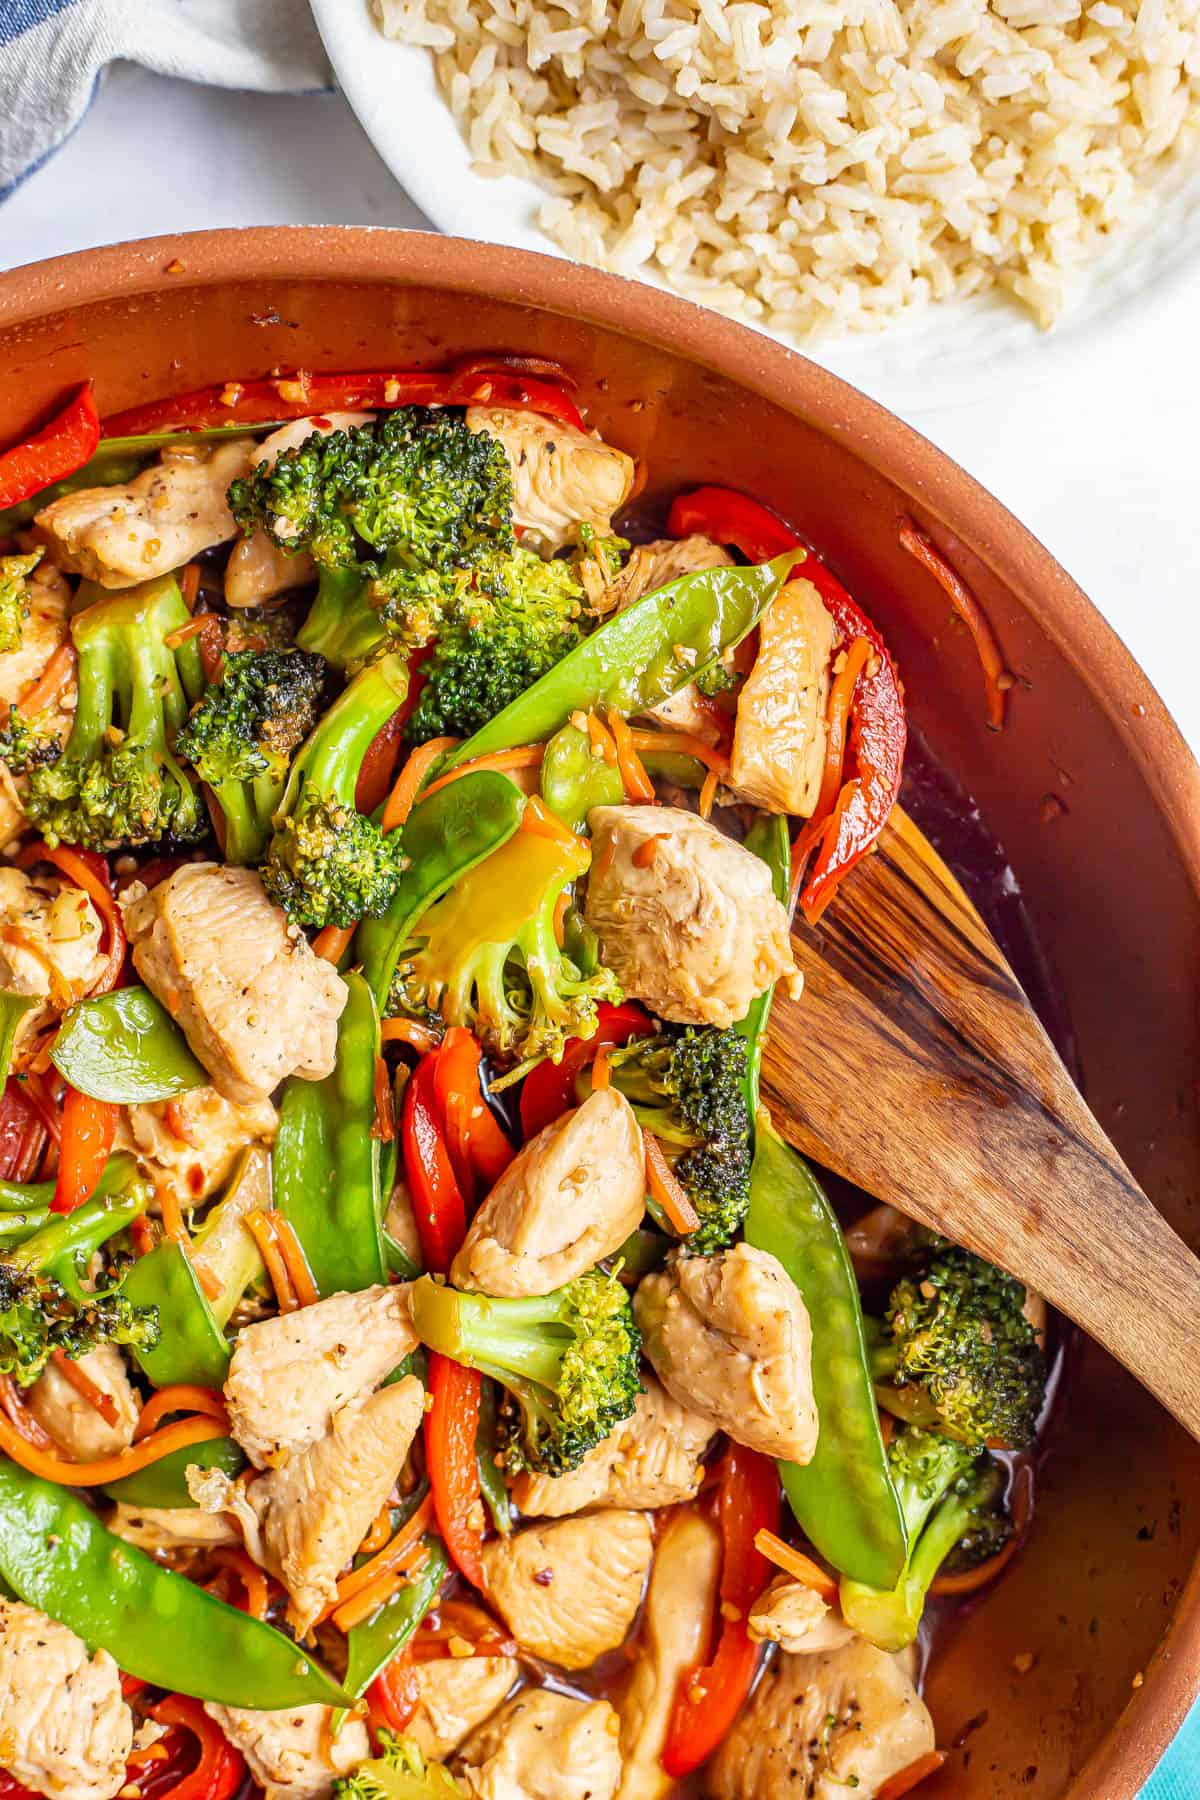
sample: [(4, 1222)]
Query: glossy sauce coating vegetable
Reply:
[(191, 1347), (125, 1047), (60, 447)]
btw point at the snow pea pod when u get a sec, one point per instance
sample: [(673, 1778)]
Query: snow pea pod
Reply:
[(15, 1227), (769, 840), (56, 1555), (13, 1008), (164, 1483), (446, 835), (574, 780), (639, 656), (372, 1645), (191, 1346), (125, 1047), (325, 1164), (843, 1499)]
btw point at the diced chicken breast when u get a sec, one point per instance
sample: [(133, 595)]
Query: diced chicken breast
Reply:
[(258, 570), (252, 999), (289, 1375), (79, 1431), (569, 1198), (650, 567), (779, 738), (544, 1746), (691, 926), (316, 1509), (50, 935), (570, 1591), (680, 1603), (44, 630), (797, 1619), (730, 1337), (651, 1459), (456, 1695), (154, 1528), (818, 1727), (191, 1144), (285, 1751), (562, 478), (117, 536), (65, 1730)]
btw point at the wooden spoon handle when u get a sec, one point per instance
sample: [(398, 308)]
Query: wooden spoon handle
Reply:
[(914, 1066)]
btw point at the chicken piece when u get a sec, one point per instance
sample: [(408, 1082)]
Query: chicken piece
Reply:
[(154, 1528), (65, 1729), (544, 1746), (456, 1695), (680, 1602), (729, 1336), (796, 1618), (569, 1198), (570, 1591), (44, 630), (316, 1509), (649, 1460), (562, 478), (252, 999), (289, 1375), (78, 1430), (190, 1145), (820, 1726), (258, 569), (780, 734), (286, 1751), (650, 567), (117, 536), (49, 946)]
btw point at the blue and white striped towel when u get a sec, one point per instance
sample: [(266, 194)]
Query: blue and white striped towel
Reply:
[(54, 52)]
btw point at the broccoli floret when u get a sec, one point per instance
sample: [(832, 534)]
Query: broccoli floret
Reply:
[(14, 597), (399, 516), (398, 1772), (28, 743), (498, 642), (487, 956), (951, 1501), (240, 738), (118, 782), (326, 863), (957, 1354), (568, 1362), (689, 1089), (44, 1305)]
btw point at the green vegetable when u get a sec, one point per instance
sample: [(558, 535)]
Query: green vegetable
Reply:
[(768, 839), (125, 1047), (14, 597), (240, 738), (491, 1481), (568, 1360), (326, 863), (843, 1499), (164, 1483), (574, 780), (13, 1008), (325, 1165), (641, 655), (191, 1345), (372, 1645), (950, 1497), (156, 1625), (445, 837), (399, 1772), (118, 781), (224, 1254)]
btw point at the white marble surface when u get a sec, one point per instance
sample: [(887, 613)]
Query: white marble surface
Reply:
[(1102, 460)]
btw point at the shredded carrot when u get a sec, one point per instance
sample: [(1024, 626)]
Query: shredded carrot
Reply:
[(605, 860), (57, 675), (525, 756), (258, 1594), (16, 1411), (795, 1563), (911, 1777), (332, 943), (666, 1189), (638, 785), (643, 857), (189, 585), (601, 1072), (179, 1397), (172, 1214), (560, 918), (365, 1604), (538, 818), (380, 1532), (837, 715), (997, 677), (51, 1467), (259, 1225), (602, 740), (61, 994), (394, 1553), (685, 744), (195, 627), (209, 1282), (383, 1125), (143, 1235), (294, 1260), (809, 839), (408, 1031), (210, 632), (408, 783), (81, 1381), (708, 794)]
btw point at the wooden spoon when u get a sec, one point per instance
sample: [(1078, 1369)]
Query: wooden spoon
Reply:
[(914, 1066)]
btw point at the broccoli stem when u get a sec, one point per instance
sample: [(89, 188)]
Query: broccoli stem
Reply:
[(56, 1249), (332, 757), (500, 1338), (342, 625)]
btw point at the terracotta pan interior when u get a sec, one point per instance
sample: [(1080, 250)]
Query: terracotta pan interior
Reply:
[(1090, 788)]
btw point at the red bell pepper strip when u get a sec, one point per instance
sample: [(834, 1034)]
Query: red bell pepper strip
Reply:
[(88, 1129), (451, 1428), (549, 1090), (878, 729), (22, 1134), (438, 1208), (221, 1769), (61, 447), (710, 1698), (478, 1147), (304, 395), (395, 1693), (11, 1789)]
